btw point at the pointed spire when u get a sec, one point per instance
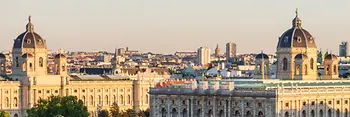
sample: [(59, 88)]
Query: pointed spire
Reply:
[(30, 26), (296, 12)]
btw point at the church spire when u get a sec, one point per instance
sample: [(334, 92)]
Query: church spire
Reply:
[(30, 26)]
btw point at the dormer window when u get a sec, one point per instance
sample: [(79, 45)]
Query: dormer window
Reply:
[(285, 39), (299, 39), (39, 41), (29, 41)]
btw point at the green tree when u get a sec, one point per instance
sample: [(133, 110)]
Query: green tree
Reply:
[(115, 111), (144, 113), (103, 113), (129, 113), (56, 106), (4, 114)]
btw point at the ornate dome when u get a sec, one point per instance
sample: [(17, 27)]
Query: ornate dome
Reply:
[(301, 56), (296, 36), (261, 56), (60, 56), (331, 57), (29, 39)]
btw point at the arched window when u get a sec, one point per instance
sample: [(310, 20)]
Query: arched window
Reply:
[(312, 113), (17, 62), (15, 104), (221, 113), (338, 113), (321, 113), (184, 113), (121, 99), (173, 113), (248, 114), (199, 113), (146, 99), (99, 100), (83, 99), (129, 99), (7, 102), (260, 114), (30, 66), (114, 99), (346, 112), (329, 113), (106, 100), (303, 114), (328, 70), (91, 100), (63, 67), (16, 115), (41, 62), (305, 69), (286, 114), (334, 69), (24, 67), (285, 64), (2, 66), (237, 114), (312, 63), (297, 70), (210, 113), (163, 112)]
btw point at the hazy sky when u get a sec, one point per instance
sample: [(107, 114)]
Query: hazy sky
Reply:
[(166, 26)]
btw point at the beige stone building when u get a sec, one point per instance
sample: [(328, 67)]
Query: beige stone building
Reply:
[(30, 81), (297, 91)]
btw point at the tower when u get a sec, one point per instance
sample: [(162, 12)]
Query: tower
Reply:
[(230, 50), (343, 49), (60, 65), (30, 48), (302, 70), (217, 51), (292, 42), (330, 67), (2, 64), (262, 66), (203, 56), (115, 63)]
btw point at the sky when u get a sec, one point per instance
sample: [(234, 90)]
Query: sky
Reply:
[(167, 26)]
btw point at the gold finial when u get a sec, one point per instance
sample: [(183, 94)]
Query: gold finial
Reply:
[(296, 11)]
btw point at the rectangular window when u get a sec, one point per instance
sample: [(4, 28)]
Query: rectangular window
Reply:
[(304, 103), (338, 102), (313, 103), (287, 104), (329, 102)]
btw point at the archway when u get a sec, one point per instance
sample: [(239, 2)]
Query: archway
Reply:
[(345, 112), (16, 115), (174, 113), (312, 113), (329, 113), (210, 113), (184, 113), (303, 114), (321, 113), (260, 114), (237, 114), (286, 114), (221, 113), (163, 112), (248, 114), (338, 113), (199, 113)]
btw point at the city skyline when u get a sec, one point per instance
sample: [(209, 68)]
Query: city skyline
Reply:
[(153, 26)]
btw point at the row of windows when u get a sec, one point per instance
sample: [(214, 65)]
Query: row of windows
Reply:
[(7, 102), (7, 91), (209, 102), (99, 90), (106, 100), (321, 103)]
